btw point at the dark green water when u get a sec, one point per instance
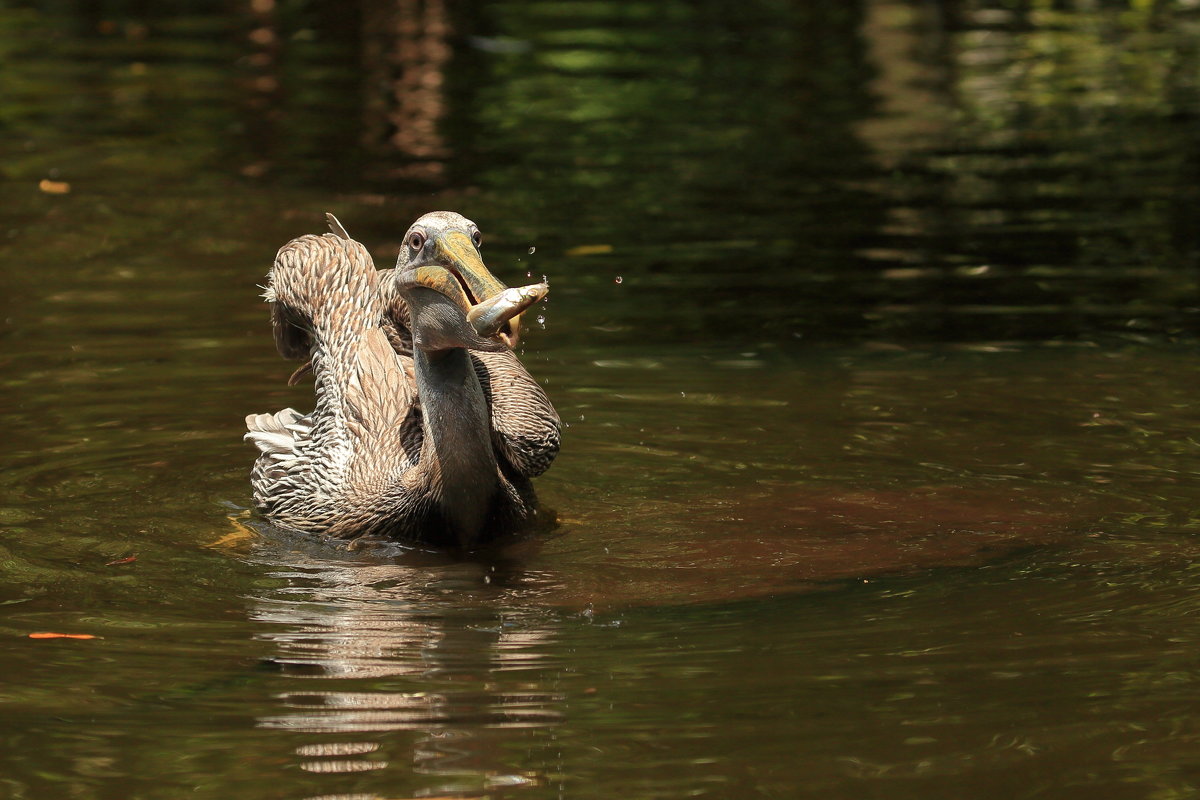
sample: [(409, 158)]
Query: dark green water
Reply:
[(874, 324)]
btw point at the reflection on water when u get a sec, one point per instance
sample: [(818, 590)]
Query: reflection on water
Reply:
[(888, 171), (367, 649), (406, 49)]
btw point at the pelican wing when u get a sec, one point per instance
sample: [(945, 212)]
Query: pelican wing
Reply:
[(395, 314), (525, 427), (292, 339)]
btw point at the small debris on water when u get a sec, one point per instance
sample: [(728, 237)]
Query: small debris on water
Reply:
[(532, 250), (618, 279), (541, 320)]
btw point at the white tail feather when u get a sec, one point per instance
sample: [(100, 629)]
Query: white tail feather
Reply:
[(275, 434)]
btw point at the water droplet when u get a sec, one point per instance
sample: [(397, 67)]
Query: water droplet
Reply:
[(532, 250), (683, 394), (541, 320), (581, 417), (529, 274), (618, 279)]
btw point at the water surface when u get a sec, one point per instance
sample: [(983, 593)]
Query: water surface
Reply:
[(873, 326)]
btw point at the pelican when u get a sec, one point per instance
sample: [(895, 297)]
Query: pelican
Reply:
[(426, 428)]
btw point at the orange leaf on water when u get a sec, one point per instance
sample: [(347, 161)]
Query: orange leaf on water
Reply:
[(54, 187), (48, 635), (126, 560)]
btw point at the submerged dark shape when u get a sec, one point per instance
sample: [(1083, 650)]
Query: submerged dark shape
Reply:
[(427, 429)]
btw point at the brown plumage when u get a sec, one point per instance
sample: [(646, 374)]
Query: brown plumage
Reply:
[(425, 429)]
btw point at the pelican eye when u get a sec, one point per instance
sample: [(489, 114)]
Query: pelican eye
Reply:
[(416, 240), (477, 238)]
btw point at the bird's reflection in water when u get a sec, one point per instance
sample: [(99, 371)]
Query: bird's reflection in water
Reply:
[(413, 668)]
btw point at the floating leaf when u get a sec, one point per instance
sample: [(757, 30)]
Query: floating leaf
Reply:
[(589, 250), (126, 560), (54, 187), (49, 635)]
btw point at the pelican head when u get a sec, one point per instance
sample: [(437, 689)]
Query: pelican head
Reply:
[(441, 254)]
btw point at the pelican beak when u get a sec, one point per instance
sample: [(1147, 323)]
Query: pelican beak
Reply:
[(435, 330), (456, 252), (442, 281)]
